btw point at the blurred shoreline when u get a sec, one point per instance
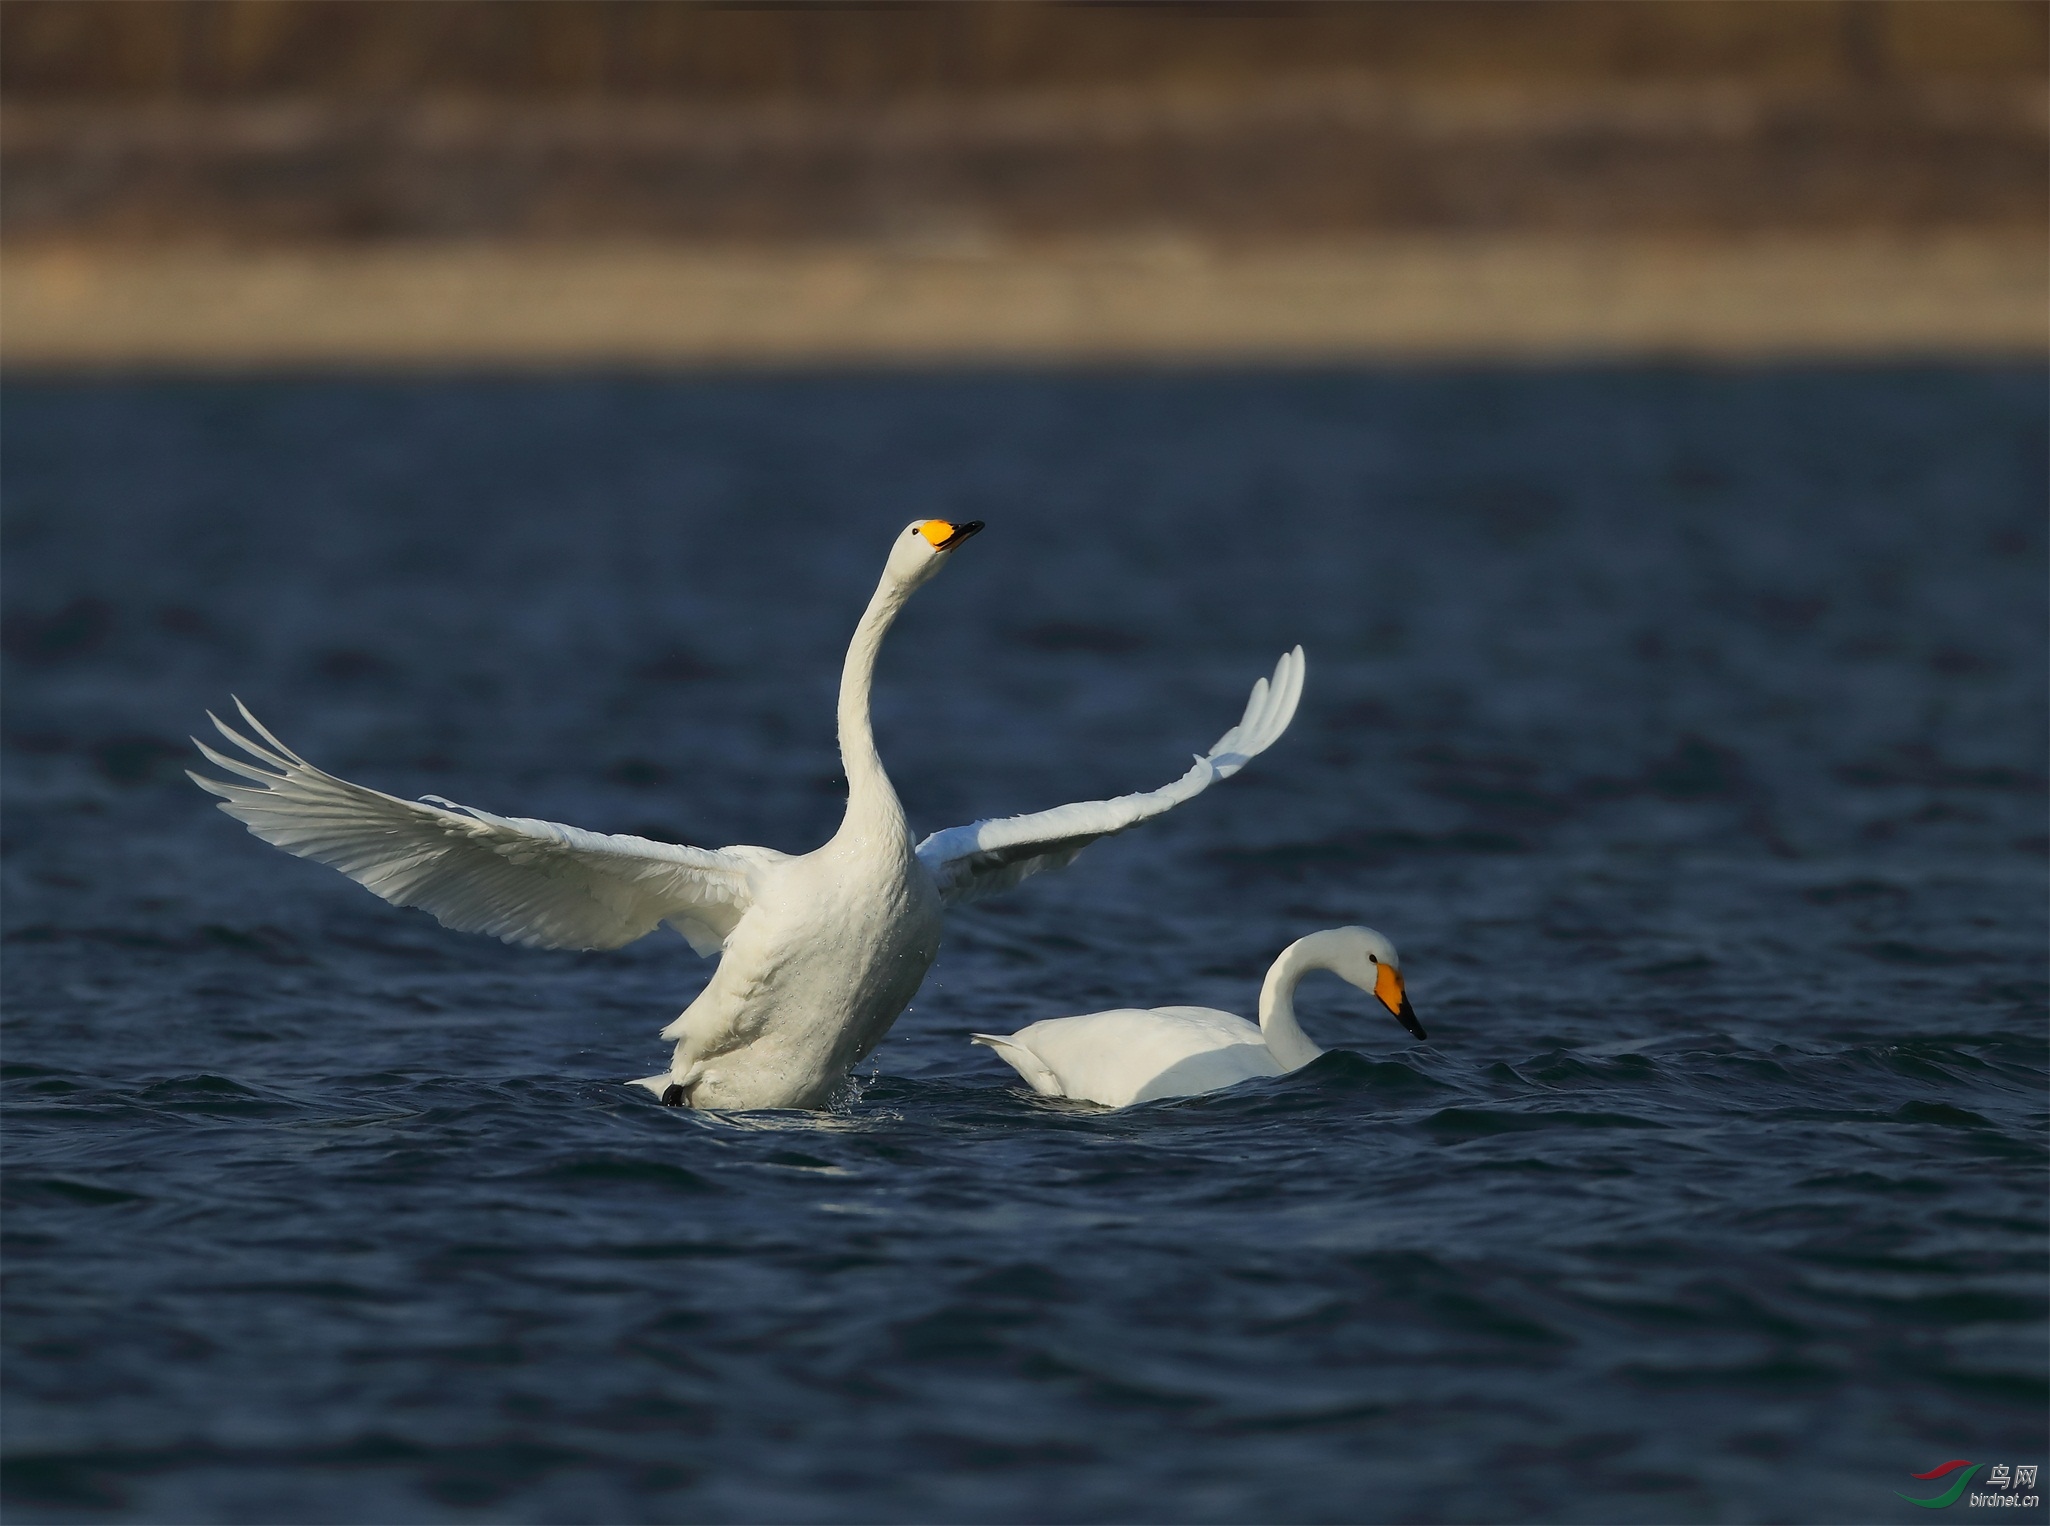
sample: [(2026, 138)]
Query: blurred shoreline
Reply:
[(1310, 156), (309, 183), (1519, 297)]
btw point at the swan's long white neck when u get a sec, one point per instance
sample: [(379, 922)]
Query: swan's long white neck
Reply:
[(872, 805), (1286, 1041)]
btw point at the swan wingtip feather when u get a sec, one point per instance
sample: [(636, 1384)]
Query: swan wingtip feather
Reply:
[(265, 732), (211, 786)]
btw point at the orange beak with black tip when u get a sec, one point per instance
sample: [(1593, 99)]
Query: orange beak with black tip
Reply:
[(945, 535), (1388, 986)]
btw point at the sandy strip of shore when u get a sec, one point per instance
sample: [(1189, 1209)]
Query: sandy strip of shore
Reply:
[(1427, 298)]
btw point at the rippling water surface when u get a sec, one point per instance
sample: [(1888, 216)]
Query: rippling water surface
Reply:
[(1686, 733)]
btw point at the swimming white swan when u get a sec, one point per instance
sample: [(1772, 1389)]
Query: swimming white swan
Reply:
[(821, 950), (1129, 1055)]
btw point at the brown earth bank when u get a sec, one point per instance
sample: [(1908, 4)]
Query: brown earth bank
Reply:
[(1504, 298), (297, 120), (309, 182), (233, 49), (1310, 157)]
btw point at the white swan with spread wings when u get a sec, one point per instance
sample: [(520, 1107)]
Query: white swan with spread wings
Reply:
[(819, 951)]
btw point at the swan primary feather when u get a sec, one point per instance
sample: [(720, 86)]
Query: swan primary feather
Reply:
[(819, 951)]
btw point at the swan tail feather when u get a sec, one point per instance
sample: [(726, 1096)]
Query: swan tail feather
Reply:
[(1038, 1075)]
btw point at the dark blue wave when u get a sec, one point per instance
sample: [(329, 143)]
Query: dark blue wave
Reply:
[(1701, 786)]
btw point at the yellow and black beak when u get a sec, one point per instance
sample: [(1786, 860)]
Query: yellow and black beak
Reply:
[(945, 535), (1388, 986)]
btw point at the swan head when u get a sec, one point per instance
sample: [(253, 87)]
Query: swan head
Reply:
[(1368, 960), (923, 547)]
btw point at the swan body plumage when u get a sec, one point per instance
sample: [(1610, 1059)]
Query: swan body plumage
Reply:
[(818, 952), (1131, 1055)]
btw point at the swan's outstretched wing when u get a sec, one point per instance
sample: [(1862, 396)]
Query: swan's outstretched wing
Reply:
[(531, 882), (979, 860)]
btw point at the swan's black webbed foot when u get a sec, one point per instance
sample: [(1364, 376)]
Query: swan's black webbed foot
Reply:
[(672, 1095)]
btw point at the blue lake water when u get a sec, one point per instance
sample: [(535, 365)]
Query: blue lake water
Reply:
[(1685, 731)]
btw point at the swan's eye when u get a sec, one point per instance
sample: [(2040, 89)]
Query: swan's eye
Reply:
[(1373, 958)]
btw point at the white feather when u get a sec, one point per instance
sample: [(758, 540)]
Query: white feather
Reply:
[(979, 860), (537, 883), (820, 951)]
